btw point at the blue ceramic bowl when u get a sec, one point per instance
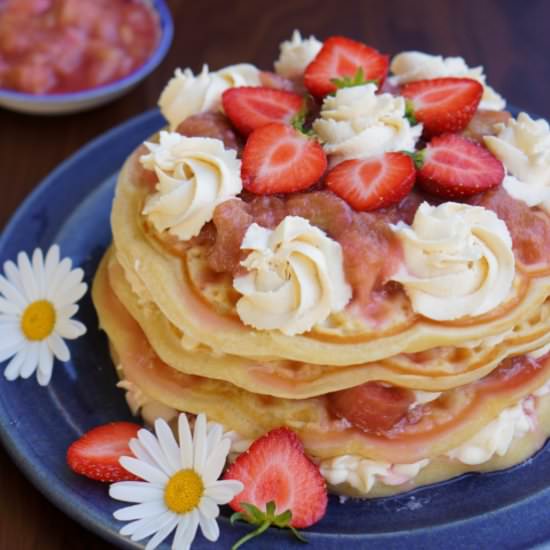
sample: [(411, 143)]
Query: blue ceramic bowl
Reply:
[(56, 104)]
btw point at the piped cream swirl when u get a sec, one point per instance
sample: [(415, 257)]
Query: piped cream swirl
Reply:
[(187, 94), (295, 277), (357, 122), (523, 146), (411, 66), (296, 54), (195, 175), (458, 260)]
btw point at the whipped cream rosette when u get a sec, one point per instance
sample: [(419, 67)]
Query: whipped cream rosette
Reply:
[(458, 260), (296, 54), (357, 122), (295, 277), (523, 146), (195, 175)]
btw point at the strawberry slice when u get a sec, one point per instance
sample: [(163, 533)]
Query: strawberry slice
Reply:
[(275, 469), (375, 182), (279, 159), (455, 167), (96, 453), (340, 57), (249, 108), (371, 407), (443, 105)]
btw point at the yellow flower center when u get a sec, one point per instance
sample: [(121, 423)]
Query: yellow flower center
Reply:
[(38, 320), (183, 491)]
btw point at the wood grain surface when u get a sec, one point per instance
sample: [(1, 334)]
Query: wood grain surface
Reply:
[(510, 38)]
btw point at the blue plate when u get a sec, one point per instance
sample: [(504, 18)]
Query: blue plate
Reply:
[(71, 207)]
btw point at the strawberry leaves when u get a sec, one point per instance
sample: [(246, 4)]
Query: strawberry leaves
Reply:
[(358, 79), (264, 520)]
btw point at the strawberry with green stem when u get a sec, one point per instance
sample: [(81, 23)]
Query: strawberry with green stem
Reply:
[(282, 487)]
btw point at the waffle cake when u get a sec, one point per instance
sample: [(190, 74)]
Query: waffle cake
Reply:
[(353, 265)]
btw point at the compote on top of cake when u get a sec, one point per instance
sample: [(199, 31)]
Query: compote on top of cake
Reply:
[(352, 246)]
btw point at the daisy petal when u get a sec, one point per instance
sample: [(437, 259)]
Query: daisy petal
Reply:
[(9, 349), (162, 533), (58, 277), (45, 364), (11, 335), (69, 329), (137, 448), (186, 442), (141, 511), (130, 528), (13, 276), (136, 491), (38, 269), (143, 470), (70, 295), (188, 534), (152, 525), (51, 263), (214, 435), (9, 307), (199, 444), (66, 312), (31, 360), (183, 525), (12, 294), (209, 528), (168, 444), (216, 461), (224, 491), (27, 277), (151, 445), (14, 366), (58, 347), (208, 508)]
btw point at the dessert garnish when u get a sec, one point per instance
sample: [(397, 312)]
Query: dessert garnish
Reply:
[(442, 105), (180, 489), (453, 167), (523, 146), (294, 277), (277, 158), (251, 107), (96, 454), (38, 299), (282, 487), (340, 57), (374, 182)]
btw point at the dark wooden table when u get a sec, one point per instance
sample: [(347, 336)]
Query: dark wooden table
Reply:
[(510, 38)]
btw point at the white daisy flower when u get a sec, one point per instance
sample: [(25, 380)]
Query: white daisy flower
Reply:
[(180, 489), (37, 302)]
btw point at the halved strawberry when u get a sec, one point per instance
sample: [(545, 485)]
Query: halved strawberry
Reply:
[(443, 105), (96, 453), (371, 407), (375, 182), (455, 167), (279, 159), (341, 57), (249, 108), (275, 469)]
